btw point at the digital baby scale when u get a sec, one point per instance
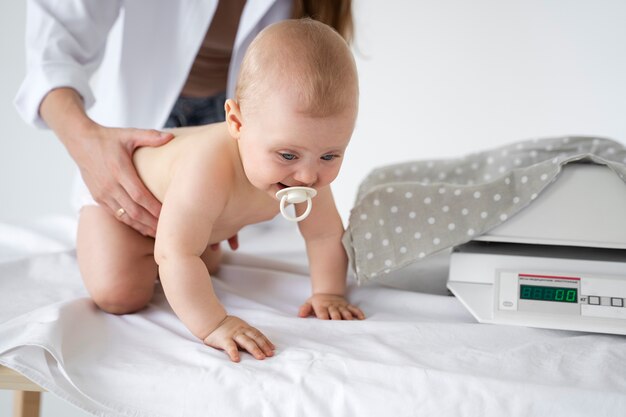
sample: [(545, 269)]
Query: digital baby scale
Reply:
[(558, 264)]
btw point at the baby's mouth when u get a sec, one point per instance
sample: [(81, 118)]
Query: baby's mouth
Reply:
[(281, 185)]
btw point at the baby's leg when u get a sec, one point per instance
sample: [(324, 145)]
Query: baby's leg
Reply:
[(116, 262)]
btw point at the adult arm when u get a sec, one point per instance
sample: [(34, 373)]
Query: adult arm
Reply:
[(104, 157), (65, 43)]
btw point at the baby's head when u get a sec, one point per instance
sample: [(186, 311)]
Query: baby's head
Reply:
[(305, 59), (296, 105)]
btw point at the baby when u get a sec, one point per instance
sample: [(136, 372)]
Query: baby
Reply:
[(294, 113)]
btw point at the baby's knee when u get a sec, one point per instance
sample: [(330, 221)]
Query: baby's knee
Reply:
[(120, 302)]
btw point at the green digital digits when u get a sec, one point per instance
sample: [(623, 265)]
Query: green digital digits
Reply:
[(543, 293), (571, 296)]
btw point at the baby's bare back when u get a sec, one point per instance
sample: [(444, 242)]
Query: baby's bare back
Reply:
[(156, 164), (246, 205)]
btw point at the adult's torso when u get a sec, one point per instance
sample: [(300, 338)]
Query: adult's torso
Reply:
[(141, 77)]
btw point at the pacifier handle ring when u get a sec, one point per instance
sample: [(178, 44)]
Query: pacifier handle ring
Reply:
[(301, 217)]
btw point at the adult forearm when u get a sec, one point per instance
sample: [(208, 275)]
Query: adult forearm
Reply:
[(188, 288), (63, 111)]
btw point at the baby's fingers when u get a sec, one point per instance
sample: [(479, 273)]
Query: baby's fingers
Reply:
[(356, 312), (334, 313), (248, 344), (346, 314), (230, 347), (263, 342), (305, 310), (322, 313)]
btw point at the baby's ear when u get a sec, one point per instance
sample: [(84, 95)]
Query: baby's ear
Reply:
[(233, 118)]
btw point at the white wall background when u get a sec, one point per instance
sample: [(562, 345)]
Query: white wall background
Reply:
[(34, 168), (442, 78), (438, 78)]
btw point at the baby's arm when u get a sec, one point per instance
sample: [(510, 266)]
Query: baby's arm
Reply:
[(328, 262), (195, 197)]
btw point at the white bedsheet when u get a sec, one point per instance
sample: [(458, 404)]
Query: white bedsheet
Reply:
[(416, 353)]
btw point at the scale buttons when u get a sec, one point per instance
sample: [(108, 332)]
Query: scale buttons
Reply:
[(617, 302), (594, 300)]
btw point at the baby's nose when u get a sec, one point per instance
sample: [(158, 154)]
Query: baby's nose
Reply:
[(306, 177)]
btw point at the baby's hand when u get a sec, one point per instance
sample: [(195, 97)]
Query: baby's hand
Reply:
[(234, 333), (329, 306)]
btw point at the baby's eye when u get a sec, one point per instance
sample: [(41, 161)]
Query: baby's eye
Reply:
[(329, 157), (288, 156)]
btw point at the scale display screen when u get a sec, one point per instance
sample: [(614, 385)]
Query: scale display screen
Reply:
[(544, 293)]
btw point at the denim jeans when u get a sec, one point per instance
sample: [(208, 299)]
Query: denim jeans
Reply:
[(195, 111)]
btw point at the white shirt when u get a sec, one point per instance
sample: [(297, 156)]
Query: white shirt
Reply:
[(140, 51)]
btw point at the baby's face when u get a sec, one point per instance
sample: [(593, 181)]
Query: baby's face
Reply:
[(281, 147)]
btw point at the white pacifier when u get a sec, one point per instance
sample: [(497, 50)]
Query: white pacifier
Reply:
[(296, 195)]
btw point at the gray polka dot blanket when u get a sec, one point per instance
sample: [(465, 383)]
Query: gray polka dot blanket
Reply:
[(409, 211)]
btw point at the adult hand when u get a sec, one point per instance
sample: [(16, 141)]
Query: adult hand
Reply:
[(104, 158)]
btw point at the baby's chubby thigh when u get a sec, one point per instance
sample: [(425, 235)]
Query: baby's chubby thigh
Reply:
[(116, 262)]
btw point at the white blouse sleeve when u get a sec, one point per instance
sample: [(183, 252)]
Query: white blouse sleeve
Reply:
[(65, 43)]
